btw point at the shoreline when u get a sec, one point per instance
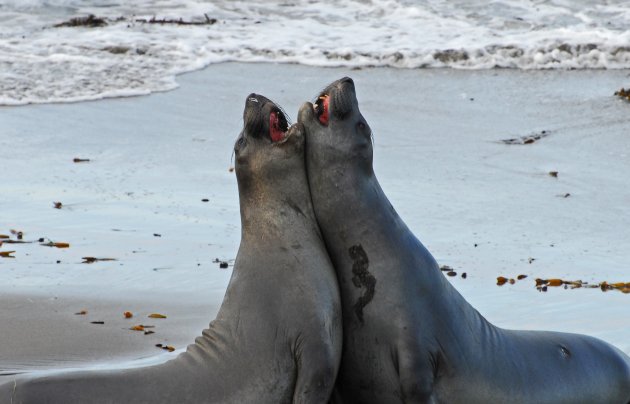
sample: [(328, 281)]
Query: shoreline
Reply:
[(350, 69)]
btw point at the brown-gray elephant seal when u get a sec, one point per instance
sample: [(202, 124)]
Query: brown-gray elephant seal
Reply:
[(277, 336), (409, 336)]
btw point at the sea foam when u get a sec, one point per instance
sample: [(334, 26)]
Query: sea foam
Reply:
[(134, 53)]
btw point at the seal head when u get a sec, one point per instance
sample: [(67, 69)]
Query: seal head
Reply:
[(269, 153), (343, 136)]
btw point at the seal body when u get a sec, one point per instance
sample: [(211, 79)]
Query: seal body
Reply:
[(277, 336), (409, 336)]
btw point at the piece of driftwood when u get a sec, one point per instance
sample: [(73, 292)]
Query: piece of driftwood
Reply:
[(208, 21)]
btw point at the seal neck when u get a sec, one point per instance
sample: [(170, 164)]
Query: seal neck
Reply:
[(348, 210), (269, 209)]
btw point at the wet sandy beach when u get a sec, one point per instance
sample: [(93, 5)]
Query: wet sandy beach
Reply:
[(157, 196)]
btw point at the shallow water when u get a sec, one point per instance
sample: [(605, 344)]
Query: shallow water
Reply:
[(41, 63)]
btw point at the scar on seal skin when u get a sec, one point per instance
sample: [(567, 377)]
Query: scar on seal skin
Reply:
[(362, 278)]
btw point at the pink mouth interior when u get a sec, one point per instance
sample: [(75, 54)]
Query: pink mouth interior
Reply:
[(275, 132), (323, 117)]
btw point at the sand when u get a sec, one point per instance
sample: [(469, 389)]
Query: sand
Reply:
[(481, 206)]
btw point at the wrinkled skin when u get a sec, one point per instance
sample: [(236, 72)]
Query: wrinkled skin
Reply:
[(409, 336), (277, 336)]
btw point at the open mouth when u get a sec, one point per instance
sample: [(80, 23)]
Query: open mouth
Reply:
[(278, 126), (321, 108)]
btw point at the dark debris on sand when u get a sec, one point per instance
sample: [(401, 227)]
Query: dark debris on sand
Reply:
[(529, 139), (623, 93)]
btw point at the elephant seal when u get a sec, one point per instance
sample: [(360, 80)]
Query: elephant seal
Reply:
[(277, 336), (409, 336)]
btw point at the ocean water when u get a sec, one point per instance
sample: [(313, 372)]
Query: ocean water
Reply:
[(129, 55)]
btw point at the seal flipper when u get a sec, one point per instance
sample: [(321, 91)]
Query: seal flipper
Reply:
[(316, 374), (417, 380)]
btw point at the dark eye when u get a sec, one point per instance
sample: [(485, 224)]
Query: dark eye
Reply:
[(240, 142), (361, 125)]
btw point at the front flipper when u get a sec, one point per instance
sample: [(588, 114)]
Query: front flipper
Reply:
[(317, 366), (417, 375)]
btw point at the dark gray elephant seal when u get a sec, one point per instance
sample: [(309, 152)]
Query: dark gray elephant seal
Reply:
[(409, 336), (277, 336)]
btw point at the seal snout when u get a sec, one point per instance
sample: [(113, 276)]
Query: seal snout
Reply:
[(345, 98), (253, 98), (337, 100), (263, 117), (346, 80)]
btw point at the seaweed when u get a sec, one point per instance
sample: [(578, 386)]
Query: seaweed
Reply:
[(529, 139), (542, 285), (624, 93), (90, 21)]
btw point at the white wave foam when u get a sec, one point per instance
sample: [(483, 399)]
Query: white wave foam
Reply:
[(41, 63)]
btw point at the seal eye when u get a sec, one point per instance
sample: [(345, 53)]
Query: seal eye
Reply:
[(361, 125), (240, 142)]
